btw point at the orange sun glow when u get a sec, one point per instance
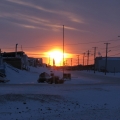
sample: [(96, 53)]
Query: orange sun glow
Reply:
[(57, 57)]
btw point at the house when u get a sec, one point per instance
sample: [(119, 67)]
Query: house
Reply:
[(16, 59), (35, 61), (113, 64)]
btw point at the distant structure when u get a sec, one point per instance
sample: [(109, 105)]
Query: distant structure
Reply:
[(18, 60), (53, 62), (35, 61), (113, 64)]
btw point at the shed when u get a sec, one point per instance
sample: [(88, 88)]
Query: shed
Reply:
[(113, 64)]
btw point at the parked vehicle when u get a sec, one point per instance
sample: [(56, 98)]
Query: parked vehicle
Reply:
[(43, 77)]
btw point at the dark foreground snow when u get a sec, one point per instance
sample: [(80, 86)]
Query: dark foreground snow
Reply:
[(85, 97)]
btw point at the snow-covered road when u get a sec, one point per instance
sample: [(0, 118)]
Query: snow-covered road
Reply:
[(85, 97), (61, 102), (98, 77)]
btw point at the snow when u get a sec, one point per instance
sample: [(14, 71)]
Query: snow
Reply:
[(87, 96)]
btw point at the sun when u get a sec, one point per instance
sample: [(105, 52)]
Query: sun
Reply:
[(56, 57)]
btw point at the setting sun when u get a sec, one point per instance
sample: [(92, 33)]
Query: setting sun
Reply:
[(56, 56)]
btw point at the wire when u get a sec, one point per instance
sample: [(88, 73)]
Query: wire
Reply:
[(115, 54), (115, 46), (67, 44), (92, 42)]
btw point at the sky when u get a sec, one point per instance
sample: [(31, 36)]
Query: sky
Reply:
[(37, 27)]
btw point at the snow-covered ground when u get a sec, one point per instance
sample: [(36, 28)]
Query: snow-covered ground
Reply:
[(87, 96)]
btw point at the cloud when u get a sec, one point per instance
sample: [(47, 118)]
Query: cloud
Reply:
[(72, 17), (32, 22), (35, 16), (76, 19), (28, 4)]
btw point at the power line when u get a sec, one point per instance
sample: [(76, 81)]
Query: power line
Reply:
[(115, 54), (115, 46), (69, 44), (92, 42), (111, 50)]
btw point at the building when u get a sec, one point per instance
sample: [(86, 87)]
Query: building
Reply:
[(35, 61), (113, 64), (16, 59)]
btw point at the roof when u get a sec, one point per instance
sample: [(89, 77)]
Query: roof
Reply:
[(108, 58), (12, 54)]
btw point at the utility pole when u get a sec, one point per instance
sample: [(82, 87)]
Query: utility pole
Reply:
[(71, 62), (106, 57), (78, 59), (49, 60), (53, 62), (88, 57), (16, 50), (94, 57), (83, 58), (63, 52), (66, 62)]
